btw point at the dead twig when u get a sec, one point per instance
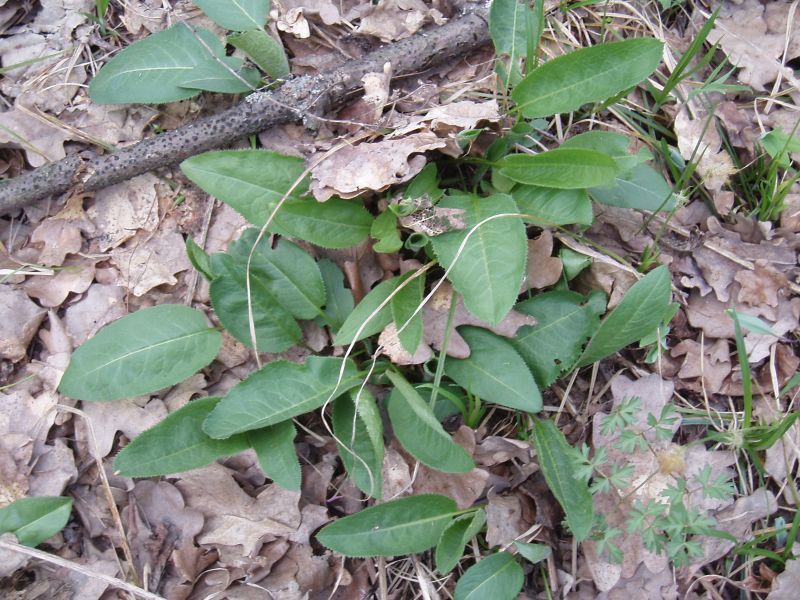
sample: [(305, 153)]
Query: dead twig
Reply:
[(303, 97)]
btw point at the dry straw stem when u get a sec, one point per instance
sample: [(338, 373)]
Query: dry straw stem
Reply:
[(306, 96)]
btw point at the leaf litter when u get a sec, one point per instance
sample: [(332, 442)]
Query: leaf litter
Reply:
[(223, 528)]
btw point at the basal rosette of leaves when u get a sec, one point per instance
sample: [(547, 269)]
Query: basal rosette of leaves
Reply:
[(271, 280)]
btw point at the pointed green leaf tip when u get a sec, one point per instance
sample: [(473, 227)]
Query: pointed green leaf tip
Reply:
[(141, 353), (593, 74)]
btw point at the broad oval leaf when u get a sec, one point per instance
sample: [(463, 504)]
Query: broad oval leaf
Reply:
[(141, 353), (363, 313), (552, 206), (614, 145), (357, 425), (497, 576), (288, 272), (591, 74), (211, 76), (275, 328), (457, 534), (494, 371), (488, 273), (533, 553), (642, 188), (279, 391), (155, 69), (642, 310), (277, 457), (263, 50), (33, 520), (403, 306), (420, 433), (557, 460), (236, 15), (252, 182), (565, 321), (403, 526), (562, 168), (176, 444)]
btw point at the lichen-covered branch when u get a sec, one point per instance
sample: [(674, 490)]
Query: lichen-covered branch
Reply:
[(298, 97)]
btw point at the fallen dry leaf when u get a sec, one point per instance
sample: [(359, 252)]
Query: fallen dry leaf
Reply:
[(504, 519), (123, 209), (699, 140), (233, 518), (101, 305), (19, 320), (392, 20), (57, 238), (787, 583), (753, 35), (41, 140), (737, 521), (126, 416), (76, 276), (149, 260), (371, 166), (542, 269)]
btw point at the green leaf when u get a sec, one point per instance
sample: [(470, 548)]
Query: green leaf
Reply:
[(403, 306), (384, 229), (224, 77), (199, 259), (289, 273), (274, 447), (418, 431), (494, 371), (349, 331), (176, 444), (335, 223), (558, 460), (551, 206), (497, 576), (404, 526), (507, 27), (155, 69), (564, 324), (562, 168), (489, 271), (642, 188), (455, 536), (33, 520), (279, 391), (592, 74), (640, 312), (779, 144), (275, 328), (339, 301), (236, 15), (358, 427), (252, 182), (533, 553), (613, 145), (141, 353), (264, 50)]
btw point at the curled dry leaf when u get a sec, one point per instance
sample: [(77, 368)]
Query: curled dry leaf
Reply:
[(392, 20), (787, 583), (41, 140), (102, 304), (123, 209), (542, 269), (150, 260), (19, 320), (433, 220), (371, 166), (126, 416), (57, 238), (76, 277)]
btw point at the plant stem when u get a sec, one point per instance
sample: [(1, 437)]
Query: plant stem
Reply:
[(437, 378)]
